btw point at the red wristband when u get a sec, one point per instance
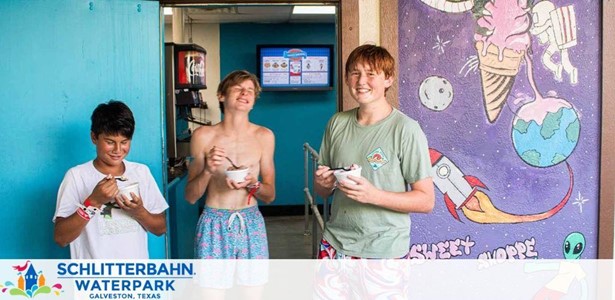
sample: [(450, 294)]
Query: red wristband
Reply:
[(253, 189)]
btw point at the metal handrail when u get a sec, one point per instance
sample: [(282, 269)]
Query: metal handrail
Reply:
[(318, 222), (311, 150), (314, 208)]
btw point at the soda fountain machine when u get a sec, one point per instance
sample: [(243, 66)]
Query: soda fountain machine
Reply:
[(185, 77)]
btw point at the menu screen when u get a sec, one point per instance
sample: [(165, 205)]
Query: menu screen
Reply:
[(295, 67)]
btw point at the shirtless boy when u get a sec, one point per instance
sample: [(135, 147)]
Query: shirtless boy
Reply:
[(231, 225)]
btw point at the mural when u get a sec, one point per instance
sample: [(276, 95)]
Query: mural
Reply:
[(568, 271), (508, 94)]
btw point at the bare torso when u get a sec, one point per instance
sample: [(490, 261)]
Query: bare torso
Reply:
[(244, 149)]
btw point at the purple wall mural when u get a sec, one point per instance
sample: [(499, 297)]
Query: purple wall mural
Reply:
[(508, 93)]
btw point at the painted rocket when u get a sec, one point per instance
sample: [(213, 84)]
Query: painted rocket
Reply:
[(461, 193), (457, 187)]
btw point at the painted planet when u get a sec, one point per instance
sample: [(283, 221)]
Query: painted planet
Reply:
[(436, 93), (545, 132)]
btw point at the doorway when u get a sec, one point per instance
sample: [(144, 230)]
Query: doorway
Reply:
[(229, 32)]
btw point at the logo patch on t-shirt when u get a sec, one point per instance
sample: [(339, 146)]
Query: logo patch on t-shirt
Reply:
[(377, 159)]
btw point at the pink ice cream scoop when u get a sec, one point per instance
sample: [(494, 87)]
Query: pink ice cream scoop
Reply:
[(501, 41), (506, 24)]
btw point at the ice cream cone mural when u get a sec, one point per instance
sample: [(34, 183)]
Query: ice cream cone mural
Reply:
[(497, 77), (502, 39)]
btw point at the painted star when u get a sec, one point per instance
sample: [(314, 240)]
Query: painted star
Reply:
[(440, 44), (580, 201)]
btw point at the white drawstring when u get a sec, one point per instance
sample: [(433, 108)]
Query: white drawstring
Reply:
[(241, 221)]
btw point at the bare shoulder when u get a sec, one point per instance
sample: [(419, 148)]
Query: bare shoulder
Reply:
[(263, 132), (204, 133), (205, 130)]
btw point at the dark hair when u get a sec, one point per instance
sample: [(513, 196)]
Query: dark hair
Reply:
[(378, 59), (234, 78), (114, 118)]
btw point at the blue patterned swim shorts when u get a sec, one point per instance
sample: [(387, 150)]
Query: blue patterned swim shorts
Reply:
[(231, 234)]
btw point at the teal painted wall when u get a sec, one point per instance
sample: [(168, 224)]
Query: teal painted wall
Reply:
[(184, 216), (58, 60), (294, 117)]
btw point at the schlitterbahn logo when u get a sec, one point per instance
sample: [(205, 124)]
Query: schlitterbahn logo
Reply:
[(124, 280), (29, 283)]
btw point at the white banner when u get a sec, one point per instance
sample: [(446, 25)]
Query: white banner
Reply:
[(305, 279)]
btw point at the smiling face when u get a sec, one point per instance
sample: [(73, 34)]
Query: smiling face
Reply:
[(238, 85), (369, 71), (110, 151), (240, 96), (367, 85)]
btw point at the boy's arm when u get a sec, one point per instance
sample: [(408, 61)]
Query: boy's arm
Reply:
[(68, 229), (198, 175), (266, 193), (324, 181), (420, 199), (154, 223)]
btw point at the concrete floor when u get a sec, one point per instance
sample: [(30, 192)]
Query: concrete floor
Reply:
[(286, 238)]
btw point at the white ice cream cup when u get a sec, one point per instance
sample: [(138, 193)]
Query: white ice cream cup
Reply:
[(238, 176), (342, 175), (131, 188)]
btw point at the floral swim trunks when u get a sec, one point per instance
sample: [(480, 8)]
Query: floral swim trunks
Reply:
[(231, 234)]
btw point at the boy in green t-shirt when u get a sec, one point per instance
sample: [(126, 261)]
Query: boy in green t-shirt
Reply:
[(369, 215)]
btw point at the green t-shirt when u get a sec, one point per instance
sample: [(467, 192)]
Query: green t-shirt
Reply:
[(393, 153)]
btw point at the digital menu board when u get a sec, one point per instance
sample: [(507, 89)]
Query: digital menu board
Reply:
[(295, 67)]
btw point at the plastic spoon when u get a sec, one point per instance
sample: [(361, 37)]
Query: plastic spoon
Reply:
[(341, 168), (232, 164), (121, 178)]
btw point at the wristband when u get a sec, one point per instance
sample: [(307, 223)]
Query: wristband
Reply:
[(81, 212), (87, 211), (253, 188)]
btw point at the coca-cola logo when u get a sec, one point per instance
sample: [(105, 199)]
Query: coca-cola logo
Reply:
[(196, 66)]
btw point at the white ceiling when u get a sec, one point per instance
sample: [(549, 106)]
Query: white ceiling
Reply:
[(249, 14)]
